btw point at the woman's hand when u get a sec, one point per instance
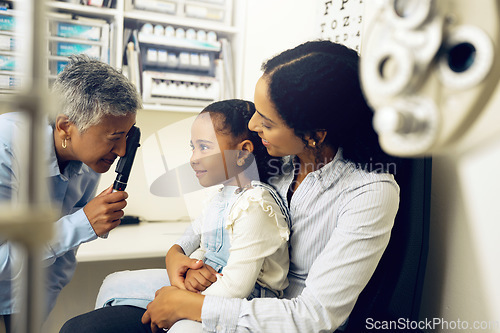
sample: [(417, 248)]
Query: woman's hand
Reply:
[(105, 210), (170, 305), (177, 264), (200, 279)]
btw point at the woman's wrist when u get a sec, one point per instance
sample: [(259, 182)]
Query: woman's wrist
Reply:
[(190, 305)]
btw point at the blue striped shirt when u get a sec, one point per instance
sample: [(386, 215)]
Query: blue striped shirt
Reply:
[(342, 218)]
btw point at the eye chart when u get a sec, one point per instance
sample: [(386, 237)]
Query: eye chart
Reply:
[(341, 21)]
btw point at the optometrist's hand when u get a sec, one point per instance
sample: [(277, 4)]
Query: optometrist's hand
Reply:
[(170, 305), (178, 264), (105, 210), (200, 279)]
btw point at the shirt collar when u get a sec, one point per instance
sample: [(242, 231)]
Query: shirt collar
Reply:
[(327, 175)]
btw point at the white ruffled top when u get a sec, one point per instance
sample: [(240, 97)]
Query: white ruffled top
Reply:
[(258, 233)]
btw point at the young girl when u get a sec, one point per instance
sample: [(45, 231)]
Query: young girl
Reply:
[(240, 240)]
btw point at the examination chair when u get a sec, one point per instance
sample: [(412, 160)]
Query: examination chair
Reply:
[(395, 289)]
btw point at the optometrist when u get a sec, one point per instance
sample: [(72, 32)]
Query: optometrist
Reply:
[(99, 107)]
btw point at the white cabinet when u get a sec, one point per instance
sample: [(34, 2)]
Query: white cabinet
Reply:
[(9, 52), (69, 34), (181, 54), (185, 50), (110, 20)]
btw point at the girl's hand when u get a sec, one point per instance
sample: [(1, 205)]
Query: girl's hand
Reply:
[(170, 305), (200, 279), (177, 264)]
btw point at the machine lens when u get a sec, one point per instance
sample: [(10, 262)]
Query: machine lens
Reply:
[(387, 68), (405, 8), (461, 57)]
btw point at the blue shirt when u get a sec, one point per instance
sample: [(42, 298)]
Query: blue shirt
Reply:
[(70, 191), (341, 224)]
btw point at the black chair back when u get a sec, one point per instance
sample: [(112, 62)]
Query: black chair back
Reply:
[(395, 289)]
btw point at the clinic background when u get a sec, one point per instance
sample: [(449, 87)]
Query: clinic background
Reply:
[(462, 273)]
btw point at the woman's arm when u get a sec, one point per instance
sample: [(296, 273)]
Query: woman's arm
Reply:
[(10, 263), (171, 305), (74, 228)]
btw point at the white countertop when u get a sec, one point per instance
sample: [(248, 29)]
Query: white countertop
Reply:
[(143, 240)]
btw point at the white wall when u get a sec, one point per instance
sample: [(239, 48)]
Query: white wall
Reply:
[(273, 26), (463, 274)]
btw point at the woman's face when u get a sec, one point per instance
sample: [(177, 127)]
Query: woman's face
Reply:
[(214, 154), (277, 137), (101, 144)]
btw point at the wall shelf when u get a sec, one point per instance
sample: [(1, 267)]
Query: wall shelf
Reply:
[(172, 108), (92, 11), (186, 22)]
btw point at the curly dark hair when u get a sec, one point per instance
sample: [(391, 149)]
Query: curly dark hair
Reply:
[(231, 117), (315, 86)]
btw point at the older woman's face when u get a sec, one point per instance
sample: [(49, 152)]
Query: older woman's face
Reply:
[(100, 145), (277, 137)]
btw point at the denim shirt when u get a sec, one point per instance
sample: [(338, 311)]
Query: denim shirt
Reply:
[(215, 239), (69, 192)]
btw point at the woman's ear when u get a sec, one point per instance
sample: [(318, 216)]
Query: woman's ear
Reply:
[(316, 138), (63, 127), (320, 136)]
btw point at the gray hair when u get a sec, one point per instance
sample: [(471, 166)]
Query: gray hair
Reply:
[(88, 89)]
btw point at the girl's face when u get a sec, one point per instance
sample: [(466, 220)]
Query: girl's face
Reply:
[(100, 145), (277, 137), (214, 155)]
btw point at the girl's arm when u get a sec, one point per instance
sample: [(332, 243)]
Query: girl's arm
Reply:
[(177, 261), (191, 239), (177, 264)]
